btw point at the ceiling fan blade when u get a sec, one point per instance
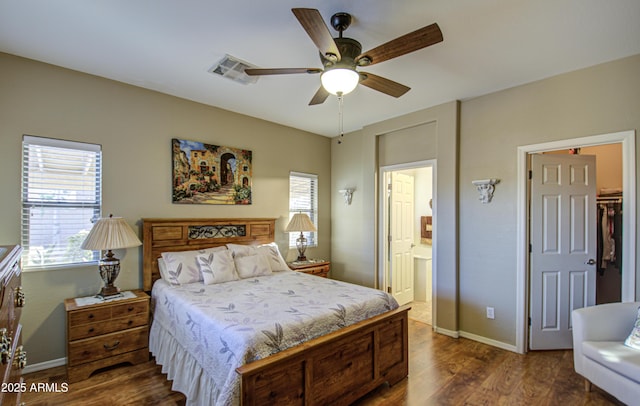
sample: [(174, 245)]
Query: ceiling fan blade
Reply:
[(383, 85), (320, 96), (279, 71), (418, 39), (314, 25)]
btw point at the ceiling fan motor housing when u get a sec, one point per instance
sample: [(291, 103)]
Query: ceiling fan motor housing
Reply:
[(349, 49)]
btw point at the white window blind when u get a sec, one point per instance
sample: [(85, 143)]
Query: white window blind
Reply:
[(303, 198), (61, 195)]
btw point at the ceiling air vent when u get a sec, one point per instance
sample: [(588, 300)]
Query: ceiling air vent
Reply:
[(233, 68)]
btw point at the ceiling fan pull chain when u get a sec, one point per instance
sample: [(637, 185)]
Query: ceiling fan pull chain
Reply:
[(340, 116)]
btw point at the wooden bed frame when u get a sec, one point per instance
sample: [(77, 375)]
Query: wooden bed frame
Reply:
[(337, 368)]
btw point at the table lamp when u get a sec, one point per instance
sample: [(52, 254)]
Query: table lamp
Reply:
[(108, 234), (300, 222)]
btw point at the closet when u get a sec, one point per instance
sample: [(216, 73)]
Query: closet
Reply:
[(609, 253), (609, 221)]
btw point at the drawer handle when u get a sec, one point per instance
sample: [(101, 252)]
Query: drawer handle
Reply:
[(91, 315), (111, 347), (20, 360), (130, 308), (19, 298), (130, 322), (5, 346), (91, 330)]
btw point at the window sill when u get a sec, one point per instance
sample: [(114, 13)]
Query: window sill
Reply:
[(60, 267)]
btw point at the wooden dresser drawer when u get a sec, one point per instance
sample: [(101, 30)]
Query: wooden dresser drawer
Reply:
[(107, 345), (130, 308), (319, 271), (316, 267), (89, 316), (95, 329)]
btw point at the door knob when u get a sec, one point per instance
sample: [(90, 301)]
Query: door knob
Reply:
[(591, 261)]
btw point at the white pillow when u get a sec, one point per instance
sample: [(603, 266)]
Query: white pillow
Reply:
[(217, 267), (250, 266), (182, 266), (239, 250), (162, 267), (270, 251), (276, 262), (633, 340)]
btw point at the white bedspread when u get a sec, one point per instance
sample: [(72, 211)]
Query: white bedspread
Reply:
[(226, 325)]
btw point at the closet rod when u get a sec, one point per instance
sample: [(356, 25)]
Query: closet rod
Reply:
[(609, 199)]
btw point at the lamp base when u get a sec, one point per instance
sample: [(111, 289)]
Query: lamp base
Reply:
[(301, 244), (108, 292), (109, 268)]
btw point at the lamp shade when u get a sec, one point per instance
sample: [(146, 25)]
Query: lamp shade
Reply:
[(110, 233), (339, 80), (300, 222)]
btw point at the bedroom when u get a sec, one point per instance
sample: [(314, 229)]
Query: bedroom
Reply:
[(477, 138)]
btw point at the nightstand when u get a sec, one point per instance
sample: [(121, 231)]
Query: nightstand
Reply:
[(314, 267), (104, 334)]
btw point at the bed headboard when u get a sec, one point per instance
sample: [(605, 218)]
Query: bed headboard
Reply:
[(165, 234)]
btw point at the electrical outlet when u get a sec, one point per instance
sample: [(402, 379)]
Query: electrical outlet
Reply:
[(490, 314)]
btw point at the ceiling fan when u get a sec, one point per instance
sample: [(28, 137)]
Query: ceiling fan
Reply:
[(341, 56)]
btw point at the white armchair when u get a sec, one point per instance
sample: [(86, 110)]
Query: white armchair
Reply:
[(599, 353)]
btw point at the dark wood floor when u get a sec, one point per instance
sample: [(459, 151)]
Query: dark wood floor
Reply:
[(442, 371)]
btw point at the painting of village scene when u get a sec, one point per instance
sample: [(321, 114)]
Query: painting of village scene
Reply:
[(210, 174)]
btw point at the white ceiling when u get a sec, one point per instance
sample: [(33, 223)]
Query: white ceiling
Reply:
[(168, 46)]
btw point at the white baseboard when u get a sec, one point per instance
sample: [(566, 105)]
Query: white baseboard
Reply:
[(488, 341), (475, 337), (44, 365), (444, 331)]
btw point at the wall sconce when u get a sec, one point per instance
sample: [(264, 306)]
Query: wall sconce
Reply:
[(486, 188), (348, 194)]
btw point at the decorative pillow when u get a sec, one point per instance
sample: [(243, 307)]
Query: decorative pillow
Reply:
[(251, 266), (182, 266), (217, 267), (633, 340), (238, 250), (270, 250), (162, 267), (276, 262)]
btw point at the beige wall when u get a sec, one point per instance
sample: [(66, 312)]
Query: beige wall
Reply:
[(482, 272), (430, 134), (134, 127), (598, 100)]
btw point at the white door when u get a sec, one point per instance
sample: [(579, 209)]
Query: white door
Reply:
[(401, 237), (563, 245)]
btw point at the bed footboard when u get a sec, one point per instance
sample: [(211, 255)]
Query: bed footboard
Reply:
[(336, 369)]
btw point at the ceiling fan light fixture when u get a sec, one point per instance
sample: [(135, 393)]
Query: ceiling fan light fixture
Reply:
[(339, 80)]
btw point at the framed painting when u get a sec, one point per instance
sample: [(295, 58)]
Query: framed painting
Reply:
[(426, 229), (210, 174)]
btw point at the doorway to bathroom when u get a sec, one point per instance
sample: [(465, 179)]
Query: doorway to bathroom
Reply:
[(408, 235)]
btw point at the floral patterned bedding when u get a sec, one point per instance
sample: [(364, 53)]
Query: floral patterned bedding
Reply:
[(230, 324)]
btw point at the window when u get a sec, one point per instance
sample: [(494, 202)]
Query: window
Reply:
[(303, 197), (61, 195)]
